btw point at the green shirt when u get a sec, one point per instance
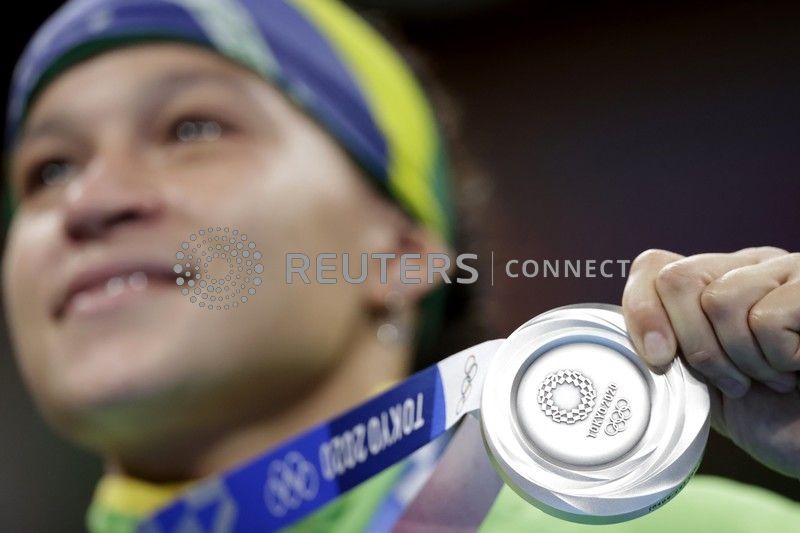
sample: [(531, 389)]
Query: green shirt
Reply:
[(706, 504)]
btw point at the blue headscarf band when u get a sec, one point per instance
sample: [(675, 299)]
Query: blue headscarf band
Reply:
[(318, 52)]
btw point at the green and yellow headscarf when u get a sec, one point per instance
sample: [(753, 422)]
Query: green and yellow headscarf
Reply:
[(321, 54)]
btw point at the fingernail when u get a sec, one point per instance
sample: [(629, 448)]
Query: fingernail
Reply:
[(656, 349), (782, 386), (732, 388)]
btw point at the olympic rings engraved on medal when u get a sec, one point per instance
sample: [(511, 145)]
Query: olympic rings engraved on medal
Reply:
[(618, 416), (470, 371), (290, 482), (566, 378)]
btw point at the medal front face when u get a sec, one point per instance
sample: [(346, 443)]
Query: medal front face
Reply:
[(578, 425), (582, 404)]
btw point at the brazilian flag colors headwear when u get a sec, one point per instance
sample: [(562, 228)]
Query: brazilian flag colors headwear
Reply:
[(318, 52)]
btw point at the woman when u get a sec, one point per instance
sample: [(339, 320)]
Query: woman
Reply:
[(136, 124)]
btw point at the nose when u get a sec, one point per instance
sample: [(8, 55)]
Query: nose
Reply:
[(112, 191)]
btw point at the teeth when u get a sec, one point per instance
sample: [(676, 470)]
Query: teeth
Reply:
[(115, 286), (138, 281)]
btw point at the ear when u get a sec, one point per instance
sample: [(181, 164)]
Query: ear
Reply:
[(420, 261)]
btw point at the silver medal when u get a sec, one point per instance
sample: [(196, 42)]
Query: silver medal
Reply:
[(579, 426)]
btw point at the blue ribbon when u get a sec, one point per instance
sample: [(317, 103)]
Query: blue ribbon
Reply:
[(296, 478), (314, 468)]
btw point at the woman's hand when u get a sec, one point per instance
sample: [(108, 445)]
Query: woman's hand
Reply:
[(735, 318)]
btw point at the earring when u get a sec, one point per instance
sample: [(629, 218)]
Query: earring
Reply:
[(393, 331)]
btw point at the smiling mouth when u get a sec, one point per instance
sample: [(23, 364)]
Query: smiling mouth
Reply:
[(104, 294)]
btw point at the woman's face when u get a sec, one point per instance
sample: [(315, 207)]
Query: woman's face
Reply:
[(121, 160)]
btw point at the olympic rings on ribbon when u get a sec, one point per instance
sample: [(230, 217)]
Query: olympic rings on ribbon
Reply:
[(470, 371)]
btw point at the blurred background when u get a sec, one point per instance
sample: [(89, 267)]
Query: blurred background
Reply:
[(603, 129)]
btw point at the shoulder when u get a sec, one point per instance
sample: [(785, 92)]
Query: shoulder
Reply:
[(706, 504)]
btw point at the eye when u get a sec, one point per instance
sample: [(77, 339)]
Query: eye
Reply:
[(47, 173), (188, 130)]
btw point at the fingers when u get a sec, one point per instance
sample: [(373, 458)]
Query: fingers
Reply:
[(775, 320), (645, 317), (753, 297), (680, 286), (663, 309)]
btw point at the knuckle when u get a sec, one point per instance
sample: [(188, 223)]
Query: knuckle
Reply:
[(764, 251), (762, 320), (678, 277), (717, 300), (639, 310), (649, 257)]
